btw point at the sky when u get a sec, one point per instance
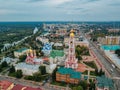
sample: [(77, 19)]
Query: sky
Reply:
[(59, 10)]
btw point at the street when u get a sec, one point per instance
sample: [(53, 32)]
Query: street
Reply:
[(107, 65)]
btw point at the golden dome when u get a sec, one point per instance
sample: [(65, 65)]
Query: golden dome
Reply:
[(30, 50), (72, 31), (72, 35)]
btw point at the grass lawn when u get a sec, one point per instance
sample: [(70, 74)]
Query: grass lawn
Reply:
[(91, 64), (59, 83)]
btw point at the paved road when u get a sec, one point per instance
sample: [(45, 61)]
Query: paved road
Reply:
[(107, 65)]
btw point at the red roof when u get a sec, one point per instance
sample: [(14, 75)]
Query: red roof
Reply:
[(18, 87), (5, 84), (21, 87), (30, 88)]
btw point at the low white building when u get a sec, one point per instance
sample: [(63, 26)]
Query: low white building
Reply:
[(50, 68), (20, 52), (27, 69), (9, 60)]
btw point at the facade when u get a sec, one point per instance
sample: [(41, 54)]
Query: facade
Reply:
[(27, 69), (109, 40), (104, 83), (32, 58), (68, 75), (20, 52), (6, 85)]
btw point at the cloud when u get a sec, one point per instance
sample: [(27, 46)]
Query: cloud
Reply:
[(59, 10)]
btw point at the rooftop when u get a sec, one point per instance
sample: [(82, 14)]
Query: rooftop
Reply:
[(22, 49), (27, 66), (55, 53), (73, 73), (5, 84), (103, 81), (21, 87), (18, 87)]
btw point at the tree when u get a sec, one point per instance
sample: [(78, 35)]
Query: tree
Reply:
[(19, 74), (12, 69), (37, 77), (54, 74), (79, 88), (92, 86), (79, 57), (42, 70), (84, 85), (0, 68), (117, 52), (4, 64), (22, 58)]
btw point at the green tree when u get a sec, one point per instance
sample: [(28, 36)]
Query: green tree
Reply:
[(4, 64), (22, 58), (12, 69), (37, 77), (79, 88), (19, 74), (84, 85), (117, 52), (74, 88), (42, 70), (54, 74), (92, 86), (0, 68)]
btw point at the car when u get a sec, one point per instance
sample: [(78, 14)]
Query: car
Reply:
[(111, 70), (113, 65)]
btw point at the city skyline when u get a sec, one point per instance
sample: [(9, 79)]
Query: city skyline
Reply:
[(59, 10)]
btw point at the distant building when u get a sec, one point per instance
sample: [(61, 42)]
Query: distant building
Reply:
[(6, 85), (109, 40), (35, 30), (61, 32), (114, 30), (20, 52), (104, 83), (68, 75), (42, 39)]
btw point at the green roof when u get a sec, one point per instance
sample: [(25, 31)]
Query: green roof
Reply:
[(105, 82), (22, 49), (73, 73), (56, 53)]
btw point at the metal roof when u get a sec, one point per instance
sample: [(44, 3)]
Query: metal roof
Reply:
[(73, 74)]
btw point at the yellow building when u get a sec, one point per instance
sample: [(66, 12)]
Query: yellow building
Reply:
[(109, 40)]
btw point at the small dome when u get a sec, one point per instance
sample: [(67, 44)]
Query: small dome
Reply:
[(30, 50), (72, 35), (72, 31)]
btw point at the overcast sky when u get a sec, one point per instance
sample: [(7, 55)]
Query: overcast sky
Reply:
[(59, 10)]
